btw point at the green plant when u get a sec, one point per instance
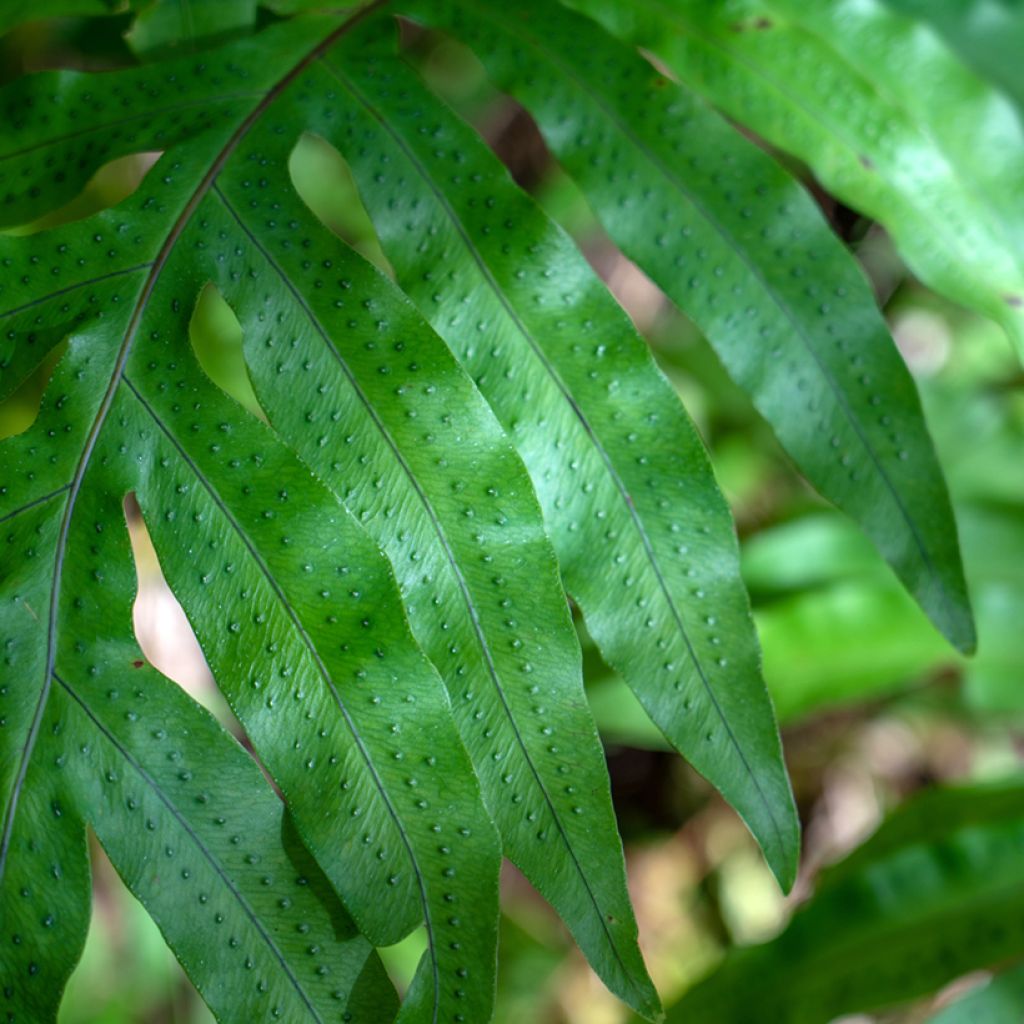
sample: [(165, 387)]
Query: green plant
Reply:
[(951, 858), (378, 572)]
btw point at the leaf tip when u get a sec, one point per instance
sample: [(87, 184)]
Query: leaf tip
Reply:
[(783, 856), (647, 1002), (955, 620)]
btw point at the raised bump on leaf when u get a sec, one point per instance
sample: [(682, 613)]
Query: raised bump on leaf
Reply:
[(737, 243), (645, 538)]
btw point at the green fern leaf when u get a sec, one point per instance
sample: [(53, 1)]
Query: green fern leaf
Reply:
[(532, 781), (346, 713), (819, 81), (375, 574), (397, 429), (643, 535), (195, 832), (738, 245), (460, 523)]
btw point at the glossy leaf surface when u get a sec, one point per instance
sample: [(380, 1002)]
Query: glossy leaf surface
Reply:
[(864, 97), (460, 523), (740, 247), (196, 834), (398, 430), (347, 715), (644, 537), (379, 565)]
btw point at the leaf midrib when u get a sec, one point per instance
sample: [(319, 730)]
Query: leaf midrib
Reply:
[(34, 502), (156, 268), (909, 196), (777, 300), (213, 861), (307, 643)]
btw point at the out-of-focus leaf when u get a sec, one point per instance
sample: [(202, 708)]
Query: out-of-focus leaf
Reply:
[(938, 891), (289, 7), (988, 34), (621, 717), (824, 590), (165, 27), (17, 12), (740, 246), (994, 682), (993, 538), (887, 117), (999, 1001), (843, 644), (805, 553)]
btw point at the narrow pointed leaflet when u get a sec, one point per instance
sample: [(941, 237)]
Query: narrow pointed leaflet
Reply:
[(741, 248), (460, 523), (620, 470), (347, 715), (819, 81), (398, 430)]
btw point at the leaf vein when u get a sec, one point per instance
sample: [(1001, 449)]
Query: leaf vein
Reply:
[(34, 502), (74, 287), (145, 115), (602, 452), (203, 848), (757, 273), (307, 642)]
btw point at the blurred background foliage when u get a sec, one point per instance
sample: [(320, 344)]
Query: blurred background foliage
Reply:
[(875, 706)]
